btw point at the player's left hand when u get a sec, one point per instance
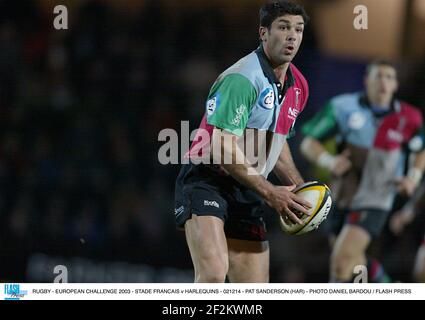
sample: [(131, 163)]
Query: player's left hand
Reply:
[(405, 186)]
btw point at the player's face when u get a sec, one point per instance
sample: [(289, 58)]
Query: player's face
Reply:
[(283, 39), (381, 83)]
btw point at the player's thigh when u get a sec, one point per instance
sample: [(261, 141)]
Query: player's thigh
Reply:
[(359, 230), (248, 260), (207, 242), (351, 242)]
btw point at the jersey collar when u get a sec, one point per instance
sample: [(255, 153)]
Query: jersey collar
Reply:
[(365, 103), (269, 73)]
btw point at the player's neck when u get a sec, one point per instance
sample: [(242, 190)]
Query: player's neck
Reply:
[(280, 72), (378, 103)]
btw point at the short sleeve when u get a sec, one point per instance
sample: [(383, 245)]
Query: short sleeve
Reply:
[(230, 103), (417, 142)]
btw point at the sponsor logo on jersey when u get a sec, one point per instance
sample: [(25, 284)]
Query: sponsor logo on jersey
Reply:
[(211, 105), (395, 135), (357, 121), (297, 96), (266, 100), (293, 113), (239, 113)]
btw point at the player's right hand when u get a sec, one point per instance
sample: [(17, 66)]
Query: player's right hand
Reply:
[(288, 204), (342, 163)]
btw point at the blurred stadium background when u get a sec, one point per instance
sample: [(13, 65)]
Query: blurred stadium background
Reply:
[(81, 109)]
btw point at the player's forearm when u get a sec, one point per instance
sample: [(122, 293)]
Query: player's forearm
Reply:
[(417, 196), (255, 182), (418, 167), (419, 162), (224, 147), (285, 168), (420, 200), (314, 151)]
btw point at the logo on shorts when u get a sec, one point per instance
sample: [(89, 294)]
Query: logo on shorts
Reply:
[(211, 203), (178, 210)]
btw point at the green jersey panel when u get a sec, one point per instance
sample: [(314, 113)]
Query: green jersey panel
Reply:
[(323, 125), (230, 102)]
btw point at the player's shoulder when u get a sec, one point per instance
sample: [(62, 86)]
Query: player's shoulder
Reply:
[(346, 102), (349, 97), (238, 75), (299, 78), (409, 110), (300, 87), (247, 67)]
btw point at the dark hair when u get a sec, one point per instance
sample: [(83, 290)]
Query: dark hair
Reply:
[(271, 11), (379, 63)]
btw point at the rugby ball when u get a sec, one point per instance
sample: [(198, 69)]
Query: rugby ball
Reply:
[(319, 195)]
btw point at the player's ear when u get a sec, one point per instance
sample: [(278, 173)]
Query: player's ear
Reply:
[(263, 34)]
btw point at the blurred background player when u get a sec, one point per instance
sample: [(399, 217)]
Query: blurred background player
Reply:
[(372, 129), (220, 206), (400, 219)]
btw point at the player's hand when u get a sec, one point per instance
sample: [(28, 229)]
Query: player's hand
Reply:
[(288, 204), (342, 163), (405, 186), (400, 219)]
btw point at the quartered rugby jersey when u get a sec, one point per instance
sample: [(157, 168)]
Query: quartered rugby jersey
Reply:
[(377, 142), (248, 95)]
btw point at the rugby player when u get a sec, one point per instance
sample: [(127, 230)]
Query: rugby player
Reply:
[(220, 205), (373, 129), (400, 219)]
